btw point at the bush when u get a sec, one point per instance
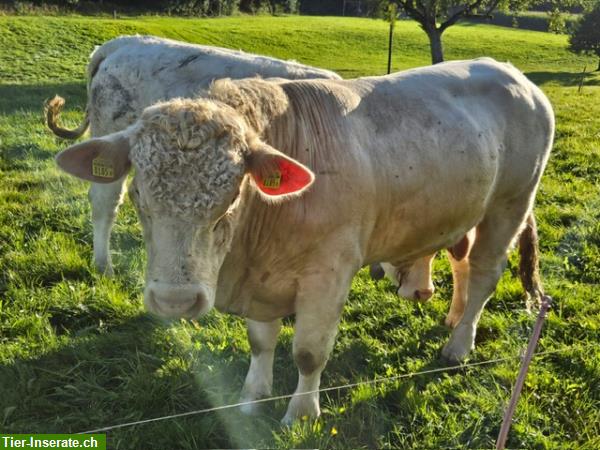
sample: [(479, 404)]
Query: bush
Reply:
[(362, 8), (269, 6), (585, 37), (175, 7), (202, 7), (536, 21)]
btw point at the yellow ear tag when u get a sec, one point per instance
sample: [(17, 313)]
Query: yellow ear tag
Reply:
[(272, 182), (102, 168)]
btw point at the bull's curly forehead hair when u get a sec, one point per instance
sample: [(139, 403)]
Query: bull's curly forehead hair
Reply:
[(189, 154)]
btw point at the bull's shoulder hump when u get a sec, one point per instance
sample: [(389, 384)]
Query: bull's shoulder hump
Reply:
[(342, 96)]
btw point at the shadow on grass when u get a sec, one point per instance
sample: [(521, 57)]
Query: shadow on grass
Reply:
[(31, 97), (19, 156), (131, 371), (564, 78)]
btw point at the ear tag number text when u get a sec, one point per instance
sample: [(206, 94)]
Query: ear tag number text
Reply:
[(102, 168)]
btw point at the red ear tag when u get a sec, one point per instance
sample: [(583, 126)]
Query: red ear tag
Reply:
[(290, 178)]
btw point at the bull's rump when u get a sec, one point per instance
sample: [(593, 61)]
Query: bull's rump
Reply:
[(436, 147)]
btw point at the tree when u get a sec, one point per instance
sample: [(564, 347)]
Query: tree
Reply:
[(436, 16), (585, 37)]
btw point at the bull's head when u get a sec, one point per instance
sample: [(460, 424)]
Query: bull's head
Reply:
[(191, 160), (414, 282)]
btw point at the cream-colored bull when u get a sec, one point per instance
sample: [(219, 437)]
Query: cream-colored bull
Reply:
[(265, 199)]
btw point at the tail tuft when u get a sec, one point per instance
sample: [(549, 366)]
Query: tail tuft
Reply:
[(52, 110), (529, 269)]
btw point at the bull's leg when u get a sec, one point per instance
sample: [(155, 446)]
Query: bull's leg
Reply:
[(486, 263), (318, 311), (259, 381), (460, 277), (105, 199)]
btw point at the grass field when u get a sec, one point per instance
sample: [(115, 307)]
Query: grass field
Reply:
[(77, 351)]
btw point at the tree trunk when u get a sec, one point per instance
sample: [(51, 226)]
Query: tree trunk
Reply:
[(435, 43)]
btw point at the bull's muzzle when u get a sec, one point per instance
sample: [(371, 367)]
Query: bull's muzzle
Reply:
[(417, 294), (176, 300)]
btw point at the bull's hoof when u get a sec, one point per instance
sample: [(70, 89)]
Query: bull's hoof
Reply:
[(105, 268), (460, 344), (302, 406), (250, 395)]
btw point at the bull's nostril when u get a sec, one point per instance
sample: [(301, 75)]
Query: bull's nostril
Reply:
[(376, 271), (423, 294)]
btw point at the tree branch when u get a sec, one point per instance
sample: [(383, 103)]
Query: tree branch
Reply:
[(408, 6), (465, 10)]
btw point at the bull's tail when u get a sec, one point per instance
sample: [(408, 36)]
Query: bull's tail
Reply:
[(52, 112), (53, 107), (529, 265)]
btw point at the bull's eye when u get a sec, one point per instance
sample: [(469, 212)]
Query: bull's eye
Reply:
[(134, 195)]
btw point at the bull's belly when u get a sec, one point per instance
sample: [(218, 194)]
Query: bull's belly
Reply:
[(436, 218)]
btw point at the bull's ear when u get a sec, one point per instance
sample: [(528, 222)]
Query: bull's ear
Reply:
[(101, 160), (277, 176)]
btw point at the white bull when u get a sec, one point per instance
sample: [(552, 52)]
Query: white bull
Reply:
[(129, 73), (265, 199)]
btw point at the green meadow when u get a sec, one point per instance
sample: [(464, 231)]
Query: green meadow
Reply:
[(78, 351)]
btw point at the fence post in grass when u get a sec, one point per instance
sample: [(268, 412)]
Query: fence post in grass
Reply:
[(533, 340), (392, 12), (582, 79)]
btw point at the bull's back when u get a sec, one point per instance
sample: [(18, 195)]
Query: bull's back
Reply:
[(129, 73)]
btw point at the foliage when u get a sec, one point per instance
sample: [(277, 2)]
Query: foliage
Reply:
[(78, 352), (435, 16), (202, 7), (585, 37), (556, 9), (526, 20), (269, 6), (171, 7), (364, 8)]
